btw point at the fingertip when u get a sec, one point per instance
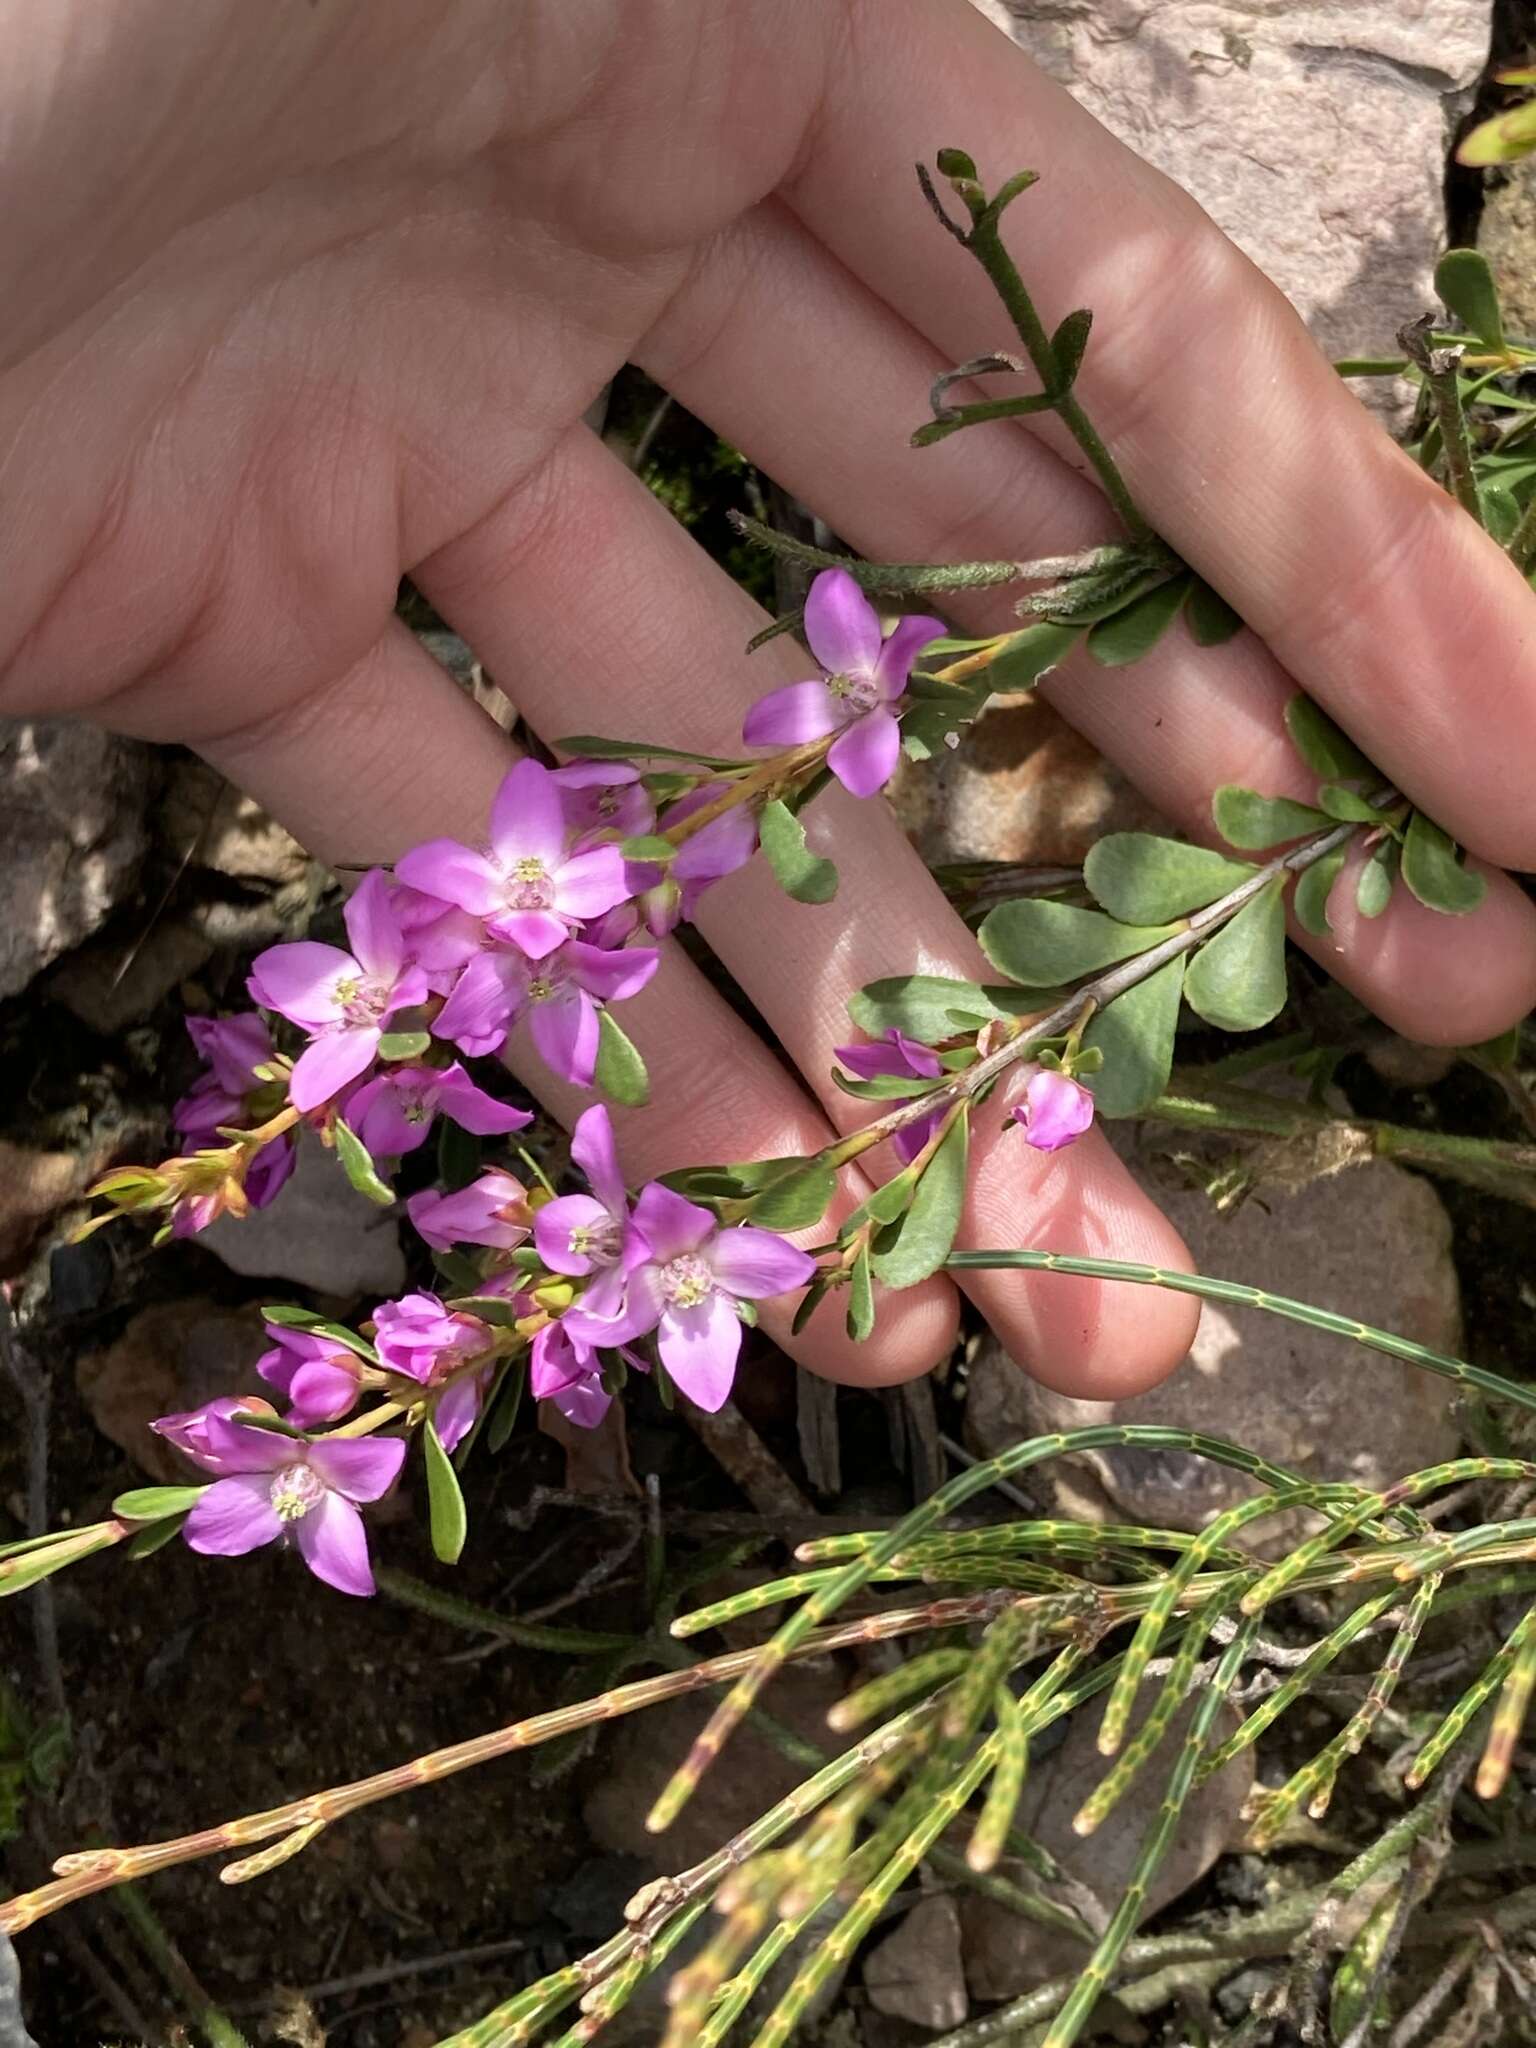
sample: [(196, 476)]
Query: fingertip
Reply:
[(915, 1330)]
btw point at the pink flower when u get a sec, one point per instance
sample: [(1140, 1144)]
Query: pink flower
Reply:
[(687, 1287), (188, 1431), (318, 1376), (897, 1054), (344, 1000), (530, 890), (605, 797), (393, 1112), (492, 1210), (864, 680), (278, 1486), (569, 1374), (233, 1048), (439, 936), (422, 1338), (561, 995), (1055, 1110), (667, 897), (591, 1236)]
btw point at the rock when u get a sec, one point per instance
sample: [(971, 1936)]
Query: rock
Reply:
[(1373, 1242), (37, 1185), (915, 1974), (1314, 135), (1507, 237), (73, 800), (1006, 1956), (319, 1233), (173, 1356), (749, 1776), (115, 982), (206, 822)]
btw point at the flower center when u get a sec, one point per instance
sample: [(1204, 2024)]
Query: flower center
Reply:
[(542, 986), (598, 1242), (686, 1281), (859, 693), (361, 1000), (529, 886), (295, 1490)]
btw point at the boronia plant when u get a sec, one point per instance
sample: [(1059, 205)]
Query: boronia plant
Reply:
[(544, 930)]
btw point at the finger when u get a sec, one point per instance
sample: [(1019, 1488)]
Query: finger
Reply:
[(661, 632), (349, 776), (822, 399), (1239, 442)]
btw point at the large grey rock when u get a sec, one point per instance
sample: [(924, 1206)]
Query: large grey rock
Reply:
[(1314, 135), (915, 1973), (1006, 1956), (72, 802), (1371, 1242), (319, 1232)]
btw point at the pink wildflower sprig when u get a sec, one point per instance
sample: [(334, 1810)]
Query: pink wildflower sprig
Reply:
[(858, 694)]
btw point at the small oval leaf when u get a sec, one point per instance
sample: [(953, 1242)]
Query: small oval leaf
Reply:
[(1135, 1034), (1039, 943), (151, 1503), (801, 874), (620, 1071), (1314, 885), (1237, 979), (1466, 287), (931, 1007), (861, 1298), (1024, 657), (1210, 619), (1133, 632), (445, 1501), (1320, 743), (1142, 879), (1373, 891), (919, 1242), (1434, 872), (1254, 822), (357, 1164)]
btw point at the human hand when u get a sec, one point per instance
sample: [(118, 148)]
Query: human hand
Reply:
[(298, 308)]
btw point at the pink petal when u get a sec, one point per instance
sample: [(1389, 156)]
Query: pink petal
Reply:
[(554, 1361), (593, 1150), (752, 1263), (538, 933), (1056, 1110), (233, 1517), (907, 641), (793, 715), (360, 1467), (377, 1113), (333, 1544), (373, 927), (864, 758), (554, 1225), (321, 1392), (565, 1032), (527, 817), (718, 849), (841, 625), (590, 883), (670, 1224), (604, 1294), (584, 1402), (485, 999), (457, 874), (699, 1347), (610, 976), (267, 1172), (641, 1312), (457, 1410), (911, 1138), (473, 1110), (231, 1446), (299, 981), (329, 1062)]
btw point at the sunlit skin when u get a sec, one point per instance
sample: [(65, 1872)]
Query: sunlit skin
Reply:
[(290, 316)]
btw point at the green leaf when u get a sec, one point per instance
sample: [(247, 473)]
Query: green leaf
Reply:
[(1358, 1989), (289, 1318), (1246, 819), (1210, 619), (507, 1399), (1347, 805), (801, 874), (1026, 656), (935, 713), (1237, 979), (1501, 511), (649, 846), (154, 1536), (1142, 879), (1502, 1051), (1373, 891), (814, 1296), (1466, 287), (930, 1007), (1325, 749), (917, 1244), (1314, 885), (1039, 943), (1067, 346), (620, 1072), (861, 1298), (445, 1501), (1105, 593), (1135, 1034), (404, 1045), (592, 748), (458, 1156), (150, 1503), (357, 1165), (1371, 366), (885, 1087), (1433, 871), (797, 1198), (1129, 634)]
